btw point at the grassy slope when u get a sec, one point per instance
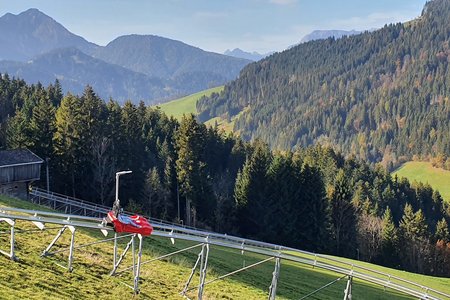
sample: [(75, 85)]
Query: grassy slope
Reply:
[(186, 104), (41, 278), (424, 172)]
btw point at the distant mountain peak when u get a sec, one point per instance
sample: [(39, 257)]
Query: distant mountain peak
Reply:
[(324, 34), (32, 32), (239, 53), (33, 12)]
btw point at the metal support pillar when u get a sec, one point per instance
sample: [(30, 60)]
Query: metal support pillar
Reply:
[(72, 242), (122, 256), (275, 276), (133, 251), (186, 286), (229, 274), (203, 267), (348, 289), (115, 250), (58, 235), (47, 252), (138, 268), (11, 254)]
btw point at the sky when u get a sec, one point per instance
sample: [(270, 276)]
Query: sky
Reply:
[(218, 25)]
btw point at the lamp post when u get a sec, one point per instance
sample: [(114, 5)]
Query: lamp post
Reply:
[(48, 177), (116, 202)]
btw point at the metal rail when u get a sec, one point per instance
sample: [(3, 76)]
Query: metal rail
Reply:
[(92, 209), (40, 218)]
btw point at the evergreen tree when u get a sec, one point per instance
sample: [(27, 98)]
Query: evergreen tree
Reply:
[(18, 132), (390, 240), (42, 127), (190, 166), (442, 231), (68, 143), (250, 191), (413, 233), (342, 216)]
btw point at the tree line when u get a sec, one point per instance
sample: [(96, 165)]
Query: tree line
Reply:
[(313, 198)]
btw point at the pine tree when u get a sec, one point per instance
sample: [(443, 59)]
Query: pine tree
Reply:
[(413, 233), (190, 141), (68, 142), (42, 127), (442, 231), (342, 216), (250, 190), (18, 132), (132, 152), (390, 241)]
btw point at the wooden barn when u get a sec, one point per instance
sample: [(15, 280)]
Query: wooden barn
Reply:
[(17, 169)]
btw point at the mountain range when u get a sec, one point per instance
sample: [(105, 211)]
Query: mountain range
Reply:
[(137, 67), (253, 56), (382, 96), (324, 34)]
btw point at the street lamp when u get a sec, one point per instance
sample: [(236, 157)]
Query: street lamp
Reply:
[(116, 205)]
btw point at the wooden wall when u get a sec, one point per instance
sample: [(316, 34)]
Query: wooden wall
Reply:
[(21, 173)]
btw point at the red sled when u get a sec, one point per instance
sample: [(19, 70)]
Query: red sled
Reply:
[(130, 224)]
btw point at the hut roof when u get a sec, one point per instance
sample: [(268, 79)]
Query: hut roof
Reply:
[(18, 157)]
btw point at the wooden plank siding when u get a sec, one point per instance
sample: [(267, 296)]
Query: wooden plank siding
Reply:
[(20, 173)]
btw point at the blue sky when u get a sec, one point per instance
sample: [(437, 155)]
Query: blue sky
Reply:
[(217, 25)]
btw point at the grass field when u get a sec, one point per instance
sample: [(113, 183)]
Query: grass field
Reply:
[(186, 105), (33, 277), (439, 179)]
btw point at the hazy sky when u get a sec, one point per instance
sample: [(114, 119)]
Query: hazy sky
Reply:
[(217, 25)]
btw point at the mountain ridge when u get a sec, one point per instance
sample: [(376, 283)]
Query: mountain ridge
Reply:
[(75, 69), (324, 34), (239, 53), (32, 32), (162, 68)]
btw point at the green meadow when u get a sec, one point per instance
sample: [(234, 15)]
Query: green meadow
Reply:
[(186, 105), (424, 172)]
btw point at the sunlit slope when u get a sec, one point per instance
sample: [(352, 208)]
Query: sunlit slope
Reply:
[(424, 172), (186, 105), (34, 277)]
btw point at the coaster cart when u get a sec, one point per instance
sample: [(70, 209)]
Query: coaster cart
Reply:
[(124, 223), (129, 224)]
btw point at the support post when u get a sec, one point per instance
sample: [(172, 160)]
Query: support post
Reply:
[(122, 256), (13, 241), (11, 254), (275, 276), (134, 254), (203, 266), (348, 289), (186, 286), (72, 242), (138, 269), (115, 250), (58, 235)]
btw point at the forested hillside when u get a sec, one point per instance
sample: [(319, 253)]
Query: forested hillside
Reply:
[(312, 198), (381, 95)]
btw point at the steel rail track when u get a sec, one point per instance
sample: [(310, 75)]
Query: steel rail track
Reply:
[(285, 253)]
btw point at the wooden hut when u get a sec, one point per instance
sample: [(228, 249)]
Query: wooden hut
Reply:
[(18, 168)]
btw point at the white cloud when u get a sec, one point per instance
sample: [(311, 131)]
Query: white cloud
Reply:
[(283, 2)]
